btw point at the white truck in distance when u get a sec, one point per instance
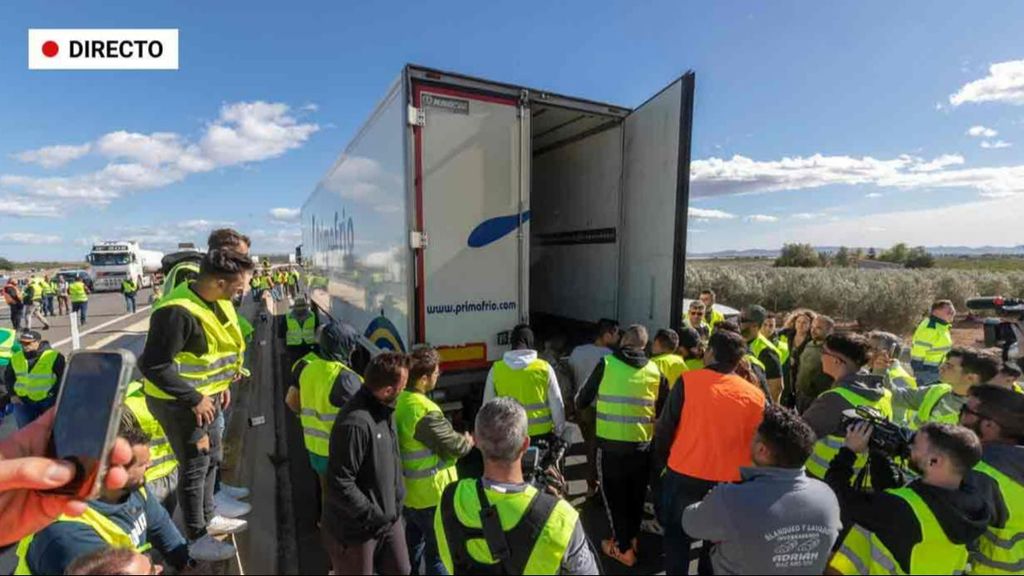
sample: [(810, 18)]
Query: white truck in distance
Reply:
[(464, 206), (114, 261)]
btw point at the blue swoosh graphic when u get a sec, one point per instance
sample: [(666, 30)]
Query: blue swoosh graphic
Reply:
[(494, 229)]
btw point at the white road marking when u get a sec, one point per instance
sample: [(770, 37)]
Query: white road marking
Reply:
[(140, 327), (100, 327)]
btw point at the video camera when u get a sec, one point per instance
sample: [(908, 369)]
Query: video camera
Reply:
[(542, 465), (888, 439), (1010, 333)]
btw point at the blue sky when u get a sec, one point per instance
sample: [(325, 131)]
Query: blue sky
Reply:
[(821, 122)]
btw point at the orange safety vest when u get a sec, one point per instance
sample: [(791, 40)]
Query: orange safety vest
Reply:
[(720, 417)]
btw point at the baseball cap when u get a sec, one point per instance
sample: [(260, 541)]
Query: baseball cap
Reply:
[(754, 314)]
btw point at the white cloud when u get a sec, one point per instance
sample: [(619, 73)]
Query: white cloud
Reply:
[(874, 195), (53, 156), (1004, 83), (20, 207), (709, 214), (761, 218), (807, 215), (310, 107), (742, 175), (205, 226), (253, 131), (994, 145), (29, 238), (982, 132), (285, 214), (244, 132), (277, 241)]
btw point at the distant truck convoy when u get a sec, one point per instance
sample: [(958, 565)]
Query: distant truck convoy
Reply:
[(114, 261), (465, 206)]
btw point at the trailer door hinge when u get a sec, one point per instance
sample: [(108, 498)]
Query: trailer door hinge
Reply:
[(417, 240), (416, 117)]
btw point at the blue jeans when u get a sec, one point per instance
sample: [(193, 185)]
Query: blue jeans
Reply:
[(82, 308), (421, 540), (925, 375), (27, 412), (48, 305), (129, 303)]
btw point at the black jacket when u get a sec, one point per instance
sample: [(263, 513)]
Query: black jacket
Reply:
[(963, 514), (364, 471), (588, 395)]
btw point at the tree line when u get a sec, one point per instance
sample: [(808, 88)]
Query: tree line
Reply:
[(806, 256)]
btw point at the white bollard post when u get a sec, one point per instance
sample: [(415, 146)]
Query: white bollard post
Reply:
[(76, 342)]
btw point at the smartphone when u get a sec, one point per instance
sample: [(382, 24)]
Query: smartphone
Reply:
[(88, 413)]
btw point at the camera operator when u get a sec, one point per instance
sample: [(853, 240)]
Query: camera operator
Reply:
[(842, 357), (962, 368), (475, 527), (921, 528), (997, 416)]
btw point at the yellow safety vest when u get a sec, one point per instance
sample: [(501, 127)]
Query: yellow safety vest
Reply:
[(530, 387), (35, 383), (162, 461), (461, 504), (692, 364), (758, 346), (1000, 550), (128, 286), (715, 318), (212, 372), (179, 274), (783, 348), (7, 341), (49, 288), (626, 399), (932, 396), (300, 334), (104, 527), (671, 366), (825, 449), (932, 341), (863, 553), (426, 475), (317, 413), (77, 293)]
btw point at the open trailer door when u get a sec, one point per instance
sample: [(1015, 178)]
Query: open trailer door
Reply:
[(655, 197)]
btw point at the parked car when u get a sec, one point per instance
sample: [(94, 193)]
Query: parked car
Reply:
[(72, 275)]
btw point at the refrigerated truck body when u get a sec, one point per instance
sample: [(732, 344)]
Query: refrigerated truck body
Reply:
[(463, 207)]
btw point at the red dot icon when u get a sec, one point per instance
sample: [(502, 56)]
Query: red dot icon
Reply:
[(50, 48)]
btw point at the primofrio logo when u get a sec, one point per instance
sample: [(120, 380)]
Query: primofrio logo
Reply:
[(102, 49)]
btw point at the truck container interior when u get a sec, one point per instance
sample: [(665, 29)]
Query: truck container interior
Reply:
[(575, 198)]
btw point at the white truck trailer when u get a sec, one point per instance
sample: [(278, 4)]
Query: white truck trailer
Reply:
[(464, 207), (114, 261)]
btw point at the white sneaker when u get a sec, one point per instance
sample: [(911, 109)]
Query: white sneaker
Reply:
[(209, 549), (220, 526), (224, 505), (236, 492)]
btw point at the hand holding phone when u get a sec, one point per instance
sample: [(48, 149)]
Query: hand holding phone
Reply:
[(26, 477), (89, 408)]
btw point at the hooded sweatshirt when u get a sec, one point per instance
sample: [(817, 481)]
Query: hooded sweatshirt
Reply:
[(963, 514), (588, 395), (825, 414), (520, 359), (1009, 460)]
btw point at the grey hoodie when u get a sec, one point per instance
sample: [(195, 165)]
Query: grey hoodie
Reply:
[(825, 414), (776, 521)]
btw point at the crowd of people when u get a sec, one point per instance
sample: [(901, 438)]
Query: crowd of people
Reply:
[(784, 446)]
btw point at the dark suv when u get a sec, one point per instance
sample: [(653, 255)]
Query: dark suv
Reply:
[(71, 275)]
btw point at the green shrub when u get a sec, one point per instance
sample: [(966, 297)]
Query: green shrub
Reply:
[(893, 300)]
